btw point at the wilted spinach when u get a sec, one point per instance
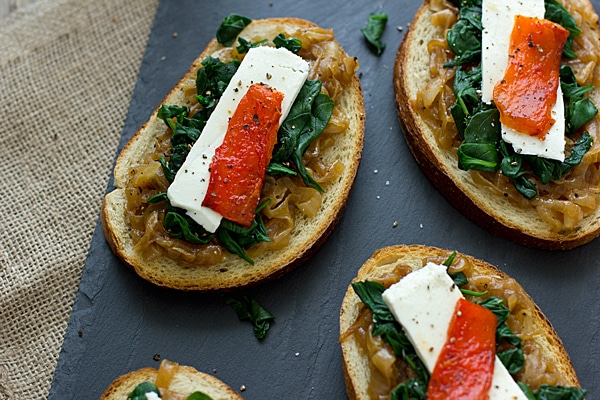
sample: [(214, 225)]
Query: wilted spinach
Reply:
[(546, 392), (292, 44), (308, 117), (464, 38), (230, 27), (179, 225), (373, 30), (198, 396), (578, 109), (556, 12), (246, 45), (237, 239), (385, 325), (248, 308)]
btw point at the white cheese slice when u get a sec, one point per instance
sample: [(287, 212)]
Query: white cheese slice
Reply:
[(278, 68), (498, 20), (152, 396), (423, 302)]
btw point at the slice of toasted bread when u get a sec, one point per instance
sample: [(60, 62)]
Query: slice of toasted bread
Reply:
[(492, 211), (382, 266), (186, 381), (308, 233)]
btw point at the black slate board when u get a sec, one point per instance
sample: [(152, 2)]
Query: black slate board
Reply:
[(119, 322)]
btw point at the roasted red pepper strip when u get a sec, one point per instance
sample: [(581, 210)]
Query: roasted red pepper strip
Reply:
[(238, 168), (465, 366), (527, 94)]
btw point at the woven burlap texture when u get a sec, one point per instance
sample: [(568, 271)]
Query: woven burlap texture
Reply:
[(67, 72)]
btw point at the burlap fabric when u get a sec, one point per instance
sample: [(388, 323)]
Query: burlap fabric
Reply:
[(67, 73)]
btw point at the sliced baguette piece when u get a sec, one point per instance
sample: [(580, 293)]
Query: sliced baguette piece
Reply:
[(308, 233), (492, 212), (186, 381), (382, 264)]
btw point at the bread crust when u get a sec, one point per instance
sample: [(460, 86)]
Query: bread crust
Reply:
[(186, 381), (491, 212), (234, 272), (383, 261)]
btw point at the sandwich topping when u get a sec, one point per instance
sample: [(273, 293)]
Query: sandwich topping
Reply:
[(522, 125), (406, 329), (202, 194)]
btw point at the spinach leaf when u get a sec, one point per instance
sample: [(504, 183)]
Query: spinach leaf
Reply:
[(179, 225), (412, 389), (484, 127), (467, 83), (556, 12), (276, 169), (513, 359), (385, 325), (230, 27), (212, 80), (182, 227), (481, 136), (464, 38), (292, 44), (250, 309), (459, 278), (139, 393), (168, 112), (578, 110), (503, 331), (546, 392), (569, 85), (198, 396), (237, 238), (579, 150), (450, 259), (512, 166), (245, 45), (479, 156), (307, 118), (373, 30), (548, 170)]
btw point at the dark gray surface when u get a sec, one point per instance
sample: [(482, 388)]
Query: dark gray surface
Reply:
[(120, 322)]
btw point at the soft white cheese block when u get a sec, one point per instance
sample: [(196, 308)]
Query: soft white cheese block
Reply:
[(423, 302), (278, 68), (498, 20), (152, 396)]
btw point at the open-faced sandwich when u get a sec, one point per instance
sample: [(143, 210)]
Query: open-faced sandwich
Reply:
[(497, 101), (421, 322), (170, 381), (245, 167)]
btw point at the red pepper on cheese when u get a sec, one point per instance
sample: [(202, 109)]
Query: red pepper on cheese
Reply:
[(527, 94), (238, 167), (465, 366)]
